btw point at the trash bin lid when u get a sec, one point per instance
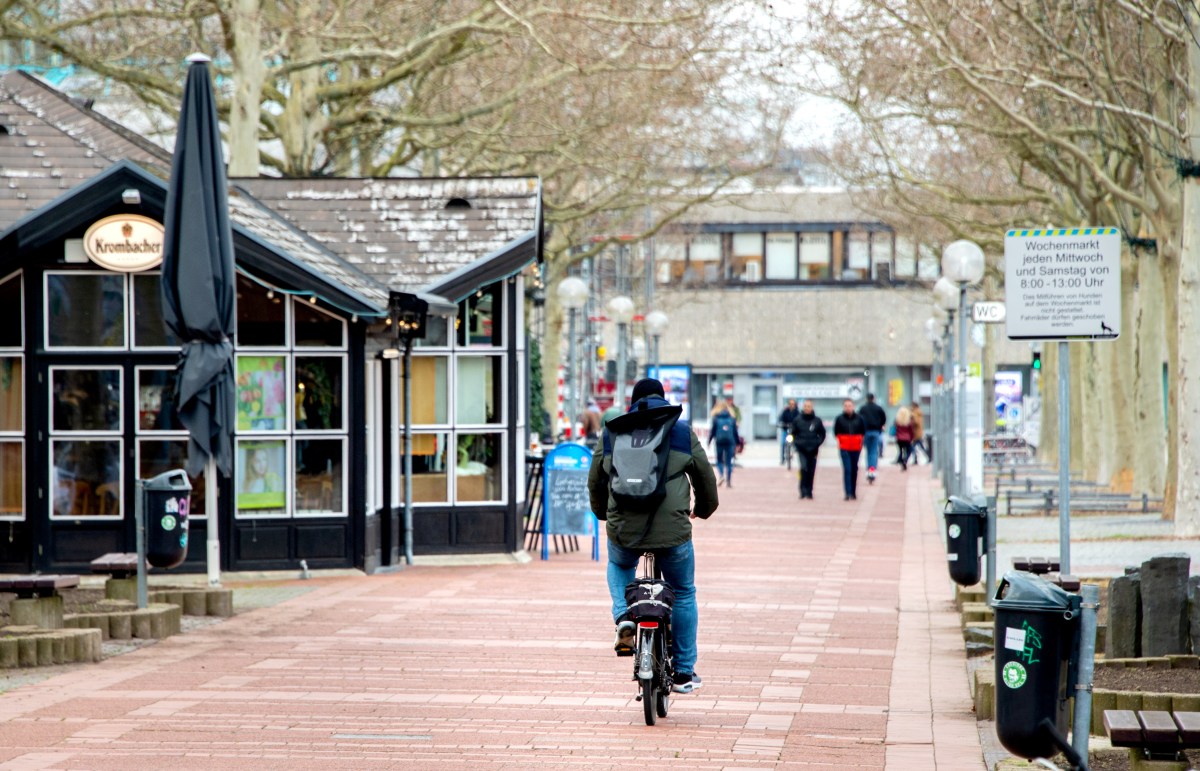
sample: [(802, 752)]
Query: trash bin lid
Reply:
[(175, 479), (958, 505), (1029, 592)]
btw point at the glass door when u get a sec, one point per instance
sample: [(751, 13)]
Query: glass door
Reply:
[(766, 409)]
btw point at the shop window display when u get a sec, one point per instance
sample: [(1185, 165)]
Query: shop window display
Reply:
[(85, 310)]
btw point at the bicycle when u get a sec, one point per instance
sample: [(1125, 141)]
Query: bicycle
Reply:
[(652, 667), (790, 451)]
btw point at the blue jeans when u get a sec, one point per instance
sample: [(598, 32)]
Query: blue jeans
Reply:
[(678, 566), (725, 460), (850, 471), (873, 443), (783, 443)]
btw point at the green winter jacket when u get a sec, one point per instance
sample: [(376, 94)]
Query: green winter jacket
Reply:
[(671, 524)]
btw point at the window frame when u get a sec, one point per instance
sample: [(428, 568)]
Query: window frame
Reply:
[(90, 349)]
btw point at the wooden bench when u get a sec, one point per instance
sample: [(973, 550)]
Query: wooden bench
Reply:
[(116, 564), (30, 587), (1154, 734), (1039, 566)]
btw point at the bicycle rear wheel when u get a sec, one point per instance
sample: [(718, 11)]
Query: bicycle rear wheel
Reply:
[(649, 699)]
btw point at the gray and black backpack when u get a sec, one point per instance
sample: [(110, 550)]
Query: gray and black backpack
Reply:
[(641, 445)]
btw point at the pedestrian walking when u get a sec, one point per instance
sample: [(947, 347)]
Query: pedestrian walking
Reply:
[(590, 424), (724, 432), (875, 420), (690, 491), (808, 434), (918, 424), (850, 429), (904, 436), (784, 423)]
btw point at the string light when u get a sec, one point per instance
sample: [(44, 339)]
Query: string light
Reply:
[(312, 297)]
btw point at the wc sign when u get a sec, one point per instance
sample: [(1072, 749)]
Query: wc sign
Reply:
[(987, 312)]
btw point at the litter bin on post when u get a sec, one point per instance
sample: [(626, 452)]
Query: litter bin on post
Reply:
[(1036, 633), (966, 529), (166, 503)]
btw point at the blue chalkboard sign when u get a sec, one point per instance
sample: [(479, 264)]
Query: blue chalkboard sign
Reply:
[(566, 508)]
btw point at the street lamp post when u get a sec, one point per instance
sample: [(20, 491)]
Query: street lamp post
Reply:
[(656, 325), (945, 294), (962, 263), (933, 333), (621, 308), (573, 294), (408, 314)]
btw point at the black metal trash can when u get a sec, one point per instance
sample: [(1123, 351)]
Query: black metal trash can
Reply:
[(966, 533), (167, 498), (1036, 635)]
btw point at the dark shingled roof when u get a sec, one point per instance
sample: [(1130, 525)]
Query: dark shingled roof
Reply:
[(410, 233), (50, 144)]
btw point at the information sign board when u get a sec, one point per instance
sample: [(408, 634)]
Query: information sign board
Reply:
[(1063, 284), (566, 507)]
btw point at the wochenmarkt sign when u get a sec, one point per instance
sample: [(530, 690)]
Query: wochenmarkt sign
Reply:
[(125, 242), (1063, 284)]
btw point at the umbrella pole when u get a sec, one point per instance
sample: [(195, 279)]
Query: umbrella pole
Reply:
[(212, 541)]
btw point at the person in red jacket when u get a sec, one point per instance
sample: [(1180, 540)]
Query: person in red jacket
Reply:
[(849, 429)]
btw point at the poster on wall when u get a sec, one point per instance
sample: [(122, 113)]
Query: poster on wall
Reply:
[(261, 393), (1009, 394), (676, 380), (261, 470)]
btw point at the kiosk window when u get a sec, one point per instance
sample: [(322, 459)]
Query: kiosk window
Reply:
[(316, 328), (12, 393), (85, 310), (319, 393), (429, 484), (12, 479), (86, 478), (478, 470), (319, 475), (86, 399), (12, 316), (149, 331), (261, 319)]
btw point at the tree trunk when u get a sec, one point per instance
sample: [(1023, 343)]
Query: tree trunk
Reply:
[(1149, 434), (302, 122), (1186, 376), (248, 75), (1120, 376)]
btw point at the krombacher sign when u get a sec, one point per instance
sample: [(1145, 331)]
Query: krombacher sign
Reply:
[(125, 242)]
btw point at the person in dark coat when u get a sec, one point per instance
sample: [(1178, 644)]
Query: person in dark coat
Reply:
[(875, 419), (808, 434), (849, 429), (786, 417), (691, 493)]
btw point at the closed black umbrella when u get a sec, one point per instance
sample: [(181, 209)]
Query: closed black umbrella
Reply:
[(198, 293), (198, 278)]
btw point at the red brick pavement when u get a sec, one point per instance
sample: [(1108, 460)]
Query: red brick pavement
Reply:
[(826, 641)]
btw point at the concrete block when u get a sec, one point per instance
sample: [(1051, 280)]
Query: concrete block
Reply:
[(1129, 700), (1165, 605), (1124, 630), (27, 651), (45, 650), (121, 589), (965, 594), (62, 648), (172, 597), (975, 612), (44, 612), (985, 693), (1102, 699), (1185, 702), (1158, 662), (1184, 662), (120, 626), (220, 602), (9, 658), (88, 645), (195, 603), (140, 619), (1156, 701)]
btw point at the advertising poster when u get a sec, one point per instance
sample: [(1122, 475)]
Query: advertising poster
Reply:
[(261, 393), (261, 471), (1009, 395), (676, 380)]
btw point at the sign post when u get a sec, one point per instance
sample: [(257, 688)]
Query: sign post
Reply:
[(566, 507), (1063, 285)]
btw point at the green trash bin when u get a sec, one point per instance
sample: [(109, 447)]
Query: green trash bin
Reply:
[(966, 536), (167, 498), (1036, 636)]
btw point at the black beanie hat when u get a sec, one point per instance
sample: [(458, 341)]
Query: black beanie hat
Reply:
[(647, 387)]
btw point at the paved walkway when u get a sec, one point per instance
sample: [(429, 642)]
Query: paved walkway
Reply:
[(827, 641)]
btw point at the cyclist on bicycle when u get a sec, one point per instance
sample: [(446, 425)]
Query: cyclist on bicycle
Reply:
[(667, 532)]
